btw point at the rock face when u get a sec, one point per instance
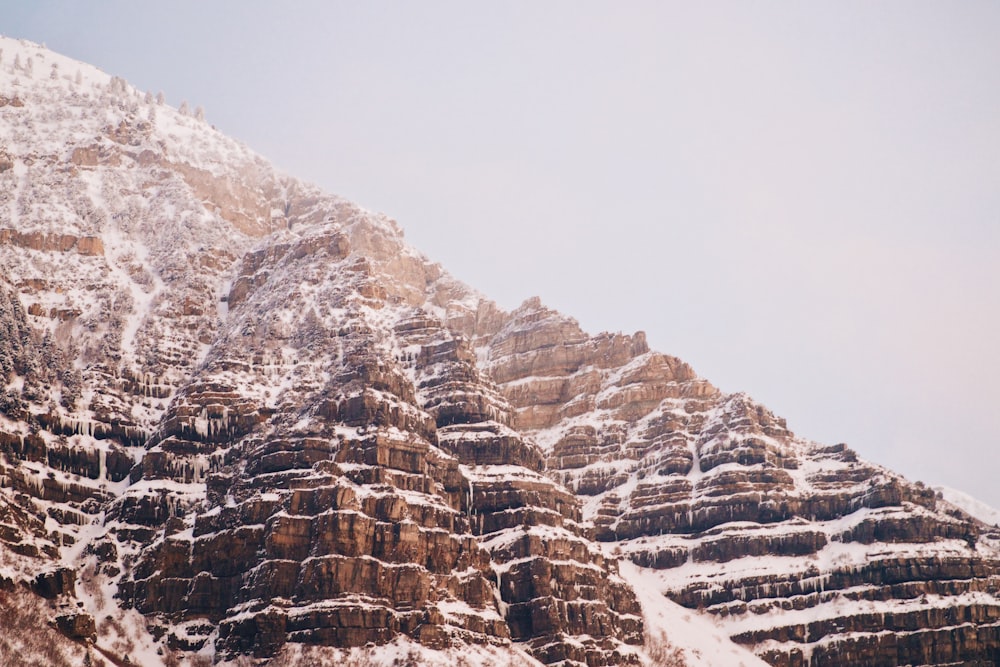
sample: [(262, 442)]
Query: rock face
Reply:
[(241, 417), (805, 553)]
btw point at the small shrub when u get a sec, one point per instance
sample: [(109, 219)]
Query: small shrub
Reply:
[(662, 653)]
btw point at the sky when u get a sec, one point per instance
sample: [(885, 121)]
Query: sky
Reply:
[(801, 200)]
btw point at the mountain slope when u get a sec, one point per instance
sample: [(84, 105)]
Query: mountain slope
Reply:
[(241, 417), (804, 552)]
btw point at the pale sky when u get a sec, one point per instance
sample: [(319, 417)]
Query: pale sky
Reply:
[(802, 200)]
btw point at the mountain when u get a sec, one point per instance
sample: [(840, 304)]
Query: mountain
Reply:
[(243, 422)]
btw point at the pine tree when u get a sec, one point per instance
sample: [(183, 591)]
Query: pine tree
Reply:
[(160, 98), (183, 108), (72, 381), (199, 113), (118, 85)]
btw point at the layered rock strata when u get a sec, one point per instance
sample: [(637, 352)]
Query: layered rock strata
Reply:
[(240, 417), (806, 553)]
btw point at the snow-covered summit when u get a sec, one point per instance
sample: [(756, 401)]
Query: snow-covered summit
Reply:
[(66, 104)]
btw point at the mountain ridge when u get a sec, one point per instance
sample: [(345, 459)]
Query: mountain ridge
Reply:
[(250, 412)]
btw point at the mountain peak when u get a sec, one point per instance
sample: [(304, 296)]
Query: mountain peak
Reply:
[(242, 417)]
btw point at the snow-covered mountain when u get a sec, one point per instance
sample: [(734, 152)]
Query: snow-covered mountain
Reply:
[(242, 420)]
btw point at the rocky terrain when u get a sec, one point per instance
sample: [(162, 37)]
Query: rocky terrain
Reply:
[(243, 422)]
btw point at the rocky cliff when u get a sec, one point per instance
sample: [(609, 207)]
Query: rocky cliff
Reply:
[(805, 553), (242, 420)]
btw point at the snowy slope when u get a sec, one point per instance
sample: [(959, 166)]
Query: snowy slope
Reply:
[(971, 506)]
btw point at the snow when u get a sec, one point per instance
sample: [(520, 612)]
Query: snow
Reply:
[(404, 651), (703, 642), (971, 506)]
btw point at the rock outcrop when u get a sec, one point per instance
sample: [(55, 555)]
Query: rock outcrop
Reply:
[(805, 553)]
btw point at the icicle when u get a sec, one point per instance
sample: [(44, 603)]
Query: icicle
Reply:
[(470, 497)]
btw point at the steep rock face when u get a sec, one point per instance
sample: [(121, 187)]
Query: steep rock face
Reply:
[(555, 586), (242, 417), (298, 490), (805, 553), (326, 513)]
